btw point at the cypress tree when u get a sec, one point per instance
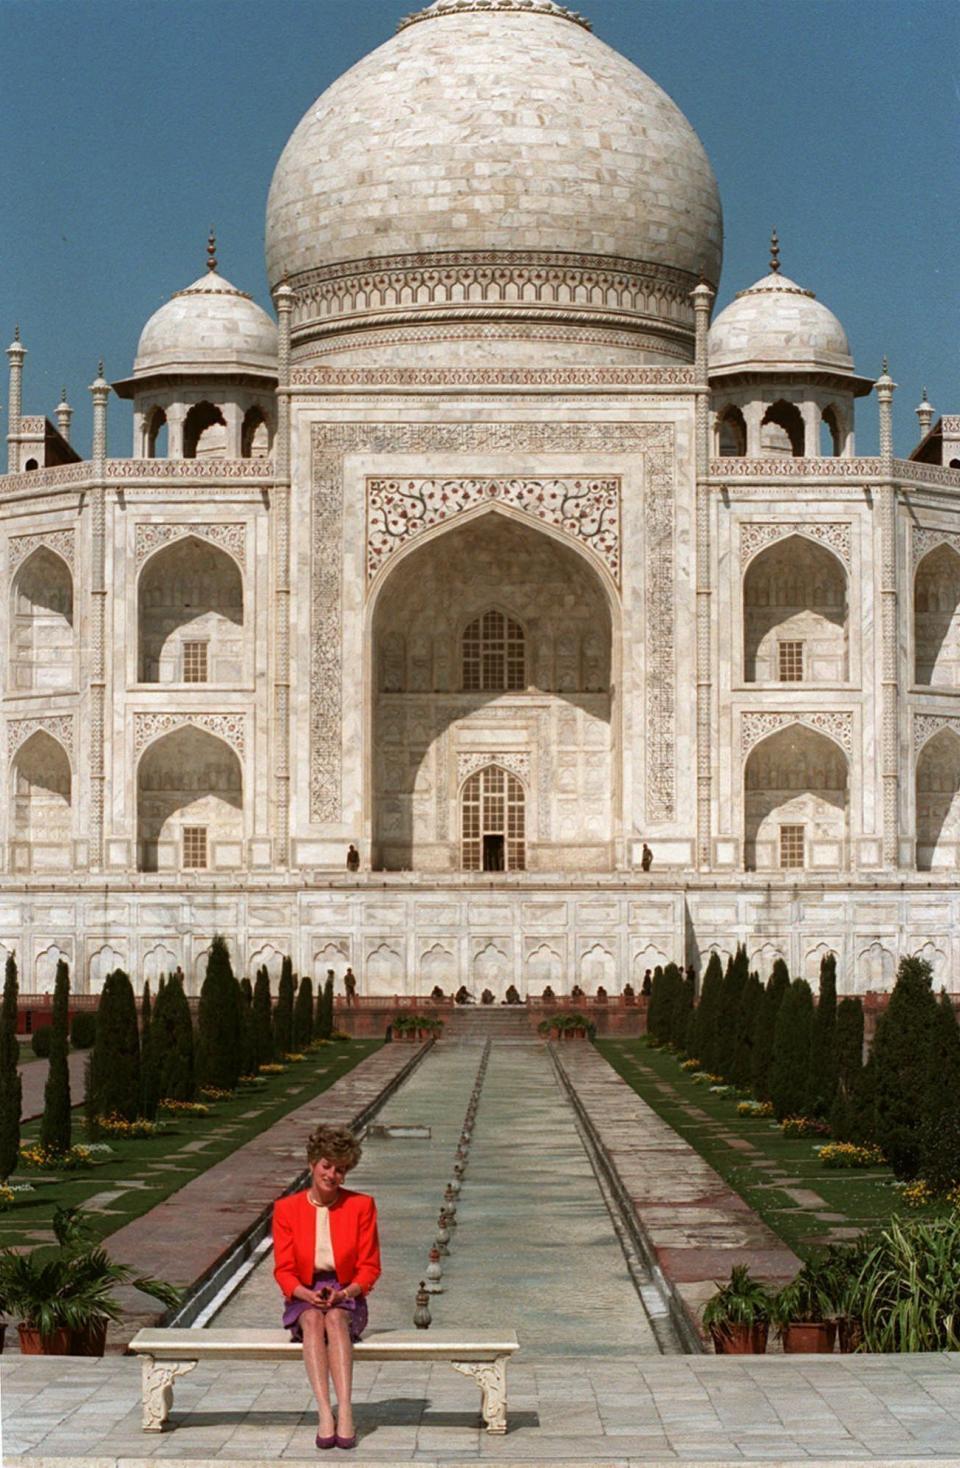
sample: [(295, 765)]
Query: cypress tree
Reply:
[(150, 1095), (218, 1049), (940, 1133), (262, 1019), (172, 1034), (790, 1064), (318, 1011), (773, 996), (303, 1015), (10, 1085), (249, 1059), (655, 1007), (55, 1127), (898, 1069), (113, 1072), (708, 1012), (672, 991), (751, 997), (682, 1009), (848, 1061), (283, 1010), (327, 1025), (823, 1061), (734, 980)]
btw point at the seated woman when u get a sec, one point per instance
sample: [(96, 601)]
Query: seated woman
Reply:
[(326, 1261)]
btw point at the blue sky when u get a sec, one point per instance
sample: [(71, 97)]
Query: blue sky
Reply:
[(129, 126)]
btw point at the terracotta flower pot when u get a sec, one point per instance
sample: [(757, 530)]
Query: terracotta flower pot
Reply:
[(35, 1343), (89, 1340), (813, 1336), (740, 1340)]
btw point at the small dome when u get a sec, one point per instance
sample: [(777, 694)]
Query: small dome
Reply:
[(778, 325), (209, 327)]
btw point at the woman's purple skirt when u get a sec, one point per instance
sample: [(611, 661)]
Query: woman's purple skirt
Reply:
[(356, 1309)]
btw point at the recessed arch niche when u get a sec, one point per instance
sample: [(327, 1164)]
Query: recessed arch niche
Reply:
[(42, 815), (796, 799), (190, 615), (938, 801), (428, 716), (936, 617), (41, 624), (795, 617), (189, 781)]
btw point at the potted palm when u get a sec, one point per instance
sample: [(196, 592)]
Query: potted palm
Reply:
[(804, 1311), (738, 1315)]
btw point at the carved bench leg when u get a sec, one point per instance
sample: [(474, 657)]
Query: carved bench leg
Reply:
[(158, 1379), (491, 1377)]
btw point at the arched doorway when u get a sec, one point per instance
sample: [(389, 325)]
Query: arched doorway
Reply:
[(795, 803), (795, 615), (936, 618), (41, 624), (938, 802), (493, 822), (190, 615), (189, 804), (492, 644), (42, 811)]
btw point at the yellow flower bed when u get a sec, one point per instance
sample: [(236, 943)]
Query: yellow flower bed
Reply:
[(689, 1065), (118, 1126), (183, 1108), (848, 1154), (293, 1057), (214, 1093), (33, 1156), (754, 1108), (272, 1068), (918, 1193)]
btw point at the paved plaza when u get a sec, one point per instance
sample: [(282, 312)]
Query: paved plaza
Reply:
[(535, 1249)]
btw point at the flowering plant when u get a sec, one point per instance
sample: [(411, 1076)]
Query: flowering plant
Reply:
[(183, 1108), (804, 1126), (755, 1108), (35, 1158), (118, 1126), (847, 1154), (214, 1093), (292, 1057), (271, 1068), (918, 1193), (690, 1064)]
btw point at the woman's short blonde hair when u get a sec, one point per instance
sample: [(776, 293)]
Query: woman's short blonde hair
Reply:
[(336, 1143)]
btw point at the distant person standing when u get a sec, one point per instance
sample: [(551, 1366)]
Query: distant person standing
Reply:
[(353, 858), (350, 985), (646, 859)]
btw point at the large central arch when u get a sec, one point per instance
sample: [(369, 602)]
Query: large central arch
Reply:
[(493, 641)]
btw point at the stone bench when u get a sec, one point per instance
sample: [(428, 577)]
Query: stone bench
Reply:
[(167, 1354)]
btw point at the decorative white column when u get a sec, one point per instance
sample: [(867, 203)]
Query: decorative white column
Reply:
[(753, 417), (16, 352), (234, 421), (176, 414), (810, 413), (702, 297), (64, 415), (924, 413), (281, 585), (890, 713), (100, 392)]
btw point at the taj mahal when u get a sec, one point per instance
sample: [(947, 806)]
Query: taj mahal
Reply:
[(492, 552)]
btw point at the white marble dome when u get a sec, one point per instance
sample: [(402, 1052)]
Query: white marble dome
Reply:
[(777, 324), (503, 129), (208, 327)]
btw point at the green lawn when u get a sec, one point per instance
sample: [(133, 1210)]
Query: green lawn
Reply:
[(851, 1199), (138, 1174)]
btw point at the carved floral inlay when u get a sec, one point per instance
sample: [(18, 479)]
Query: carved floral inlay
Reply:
[(229, 727), (754, 538), (757, 726), (58, 726), (651, 442), (926, 725), (517, 762), (588, 509), (231, 538), (927, 538), (60, 541)]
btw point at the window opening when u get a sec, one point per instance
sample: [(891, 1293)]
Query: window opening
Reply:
[(493, 822), (791, 662), (493, 655), (791, 847), (195, 848), (195, 662)]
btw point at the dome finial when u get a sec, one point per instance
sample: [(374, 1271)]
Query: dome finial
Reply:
[(211, 249), (774, 252), (16, 332)]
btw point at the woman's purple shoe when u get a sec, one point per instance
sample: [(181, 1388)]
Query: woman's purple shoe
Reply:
[(346, 1442), (327, 1442)]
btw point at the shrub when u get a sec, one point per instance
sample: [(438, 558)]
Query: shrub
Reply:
[(172, 1039), (40, 1042), (907, 1290), (303, 1015), (149, 1075), (731, 992), (940, 1129), (113, 1071), (790, 1065), (83, 1029), (262, 1019), (248, 1056), (899, 1067), (751, 998), (765, 1028), (804, 1126), (708, 1013), (219, 1040), (848, 1059), (55, 1126), (283, 1010), (822, 1080), (10, 1085)]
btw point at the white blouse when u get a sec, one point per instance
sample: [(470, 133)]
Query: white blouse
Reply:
[(323, 1260)]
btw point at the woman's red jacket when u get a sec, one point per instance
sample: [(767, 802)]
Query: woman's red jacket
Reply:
[(353, 1234)]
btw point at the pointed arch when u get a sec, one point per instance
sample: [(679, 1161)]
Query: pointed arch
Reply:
[(189, 803), (782, 431), (493, 653), (796, 801), (41, 802), (42, 643), (938, 801), (731, 433), (493, 818), (190, 614), (256, 438), (936, 617), (795, 614), (204, 432)]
